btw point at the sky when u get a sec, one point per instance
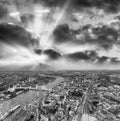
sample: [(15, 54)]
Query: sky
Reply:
[(60, 34)]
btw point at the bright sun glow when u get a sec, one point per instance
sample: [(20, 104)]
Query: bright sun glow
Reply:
[(44, 22), (19, 55), (42, 25)]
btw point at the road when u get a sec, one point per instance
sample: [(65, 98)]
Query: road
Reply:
[(82, 114)]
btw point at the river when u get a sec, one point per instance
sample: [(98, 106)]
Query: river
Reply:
[(28, 97)]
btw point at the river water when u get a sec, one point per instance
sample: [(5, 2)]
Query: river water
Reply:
[(26, 98)]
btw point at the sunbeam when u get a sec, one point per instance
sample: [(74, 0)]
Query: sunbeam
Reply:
[(44, 22), (50, 27), (19, 55)]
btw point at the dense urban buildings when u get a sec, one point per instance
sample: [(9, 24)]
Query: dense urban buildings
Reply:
[(60, 96)]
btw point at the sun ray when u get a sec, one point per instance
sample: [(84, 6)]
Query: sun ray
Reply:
[(58, 15), (44, 23), (19, 55)]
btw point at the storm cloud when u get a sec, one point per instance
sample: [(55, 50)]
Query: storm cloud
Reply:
[(86, 56), (102, 59), (15, 34), (109, 6), (3, 11), (78, 56), (52, 54), (68, 32), (62, 33), (104, 37), (38, 51), (92, 57)]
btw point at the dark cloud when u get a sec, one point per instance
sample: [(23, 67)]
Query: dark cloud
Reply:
[(62, 33), (86, 56), (53, 3), (110, 6), (102, 59), (105, 59), (52, 54), (92, 57), (78, 56), (3, 11), (92, 54), (117, 17), (74, 20), (15, 34), (86, 27), (115, 60), (106, 36), (38, 51), (26, 18), (107, 5), (103, 37)]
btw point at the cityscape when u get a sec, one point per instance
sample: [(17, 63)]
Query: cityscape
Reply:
[(59, 60), (60, 96)]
